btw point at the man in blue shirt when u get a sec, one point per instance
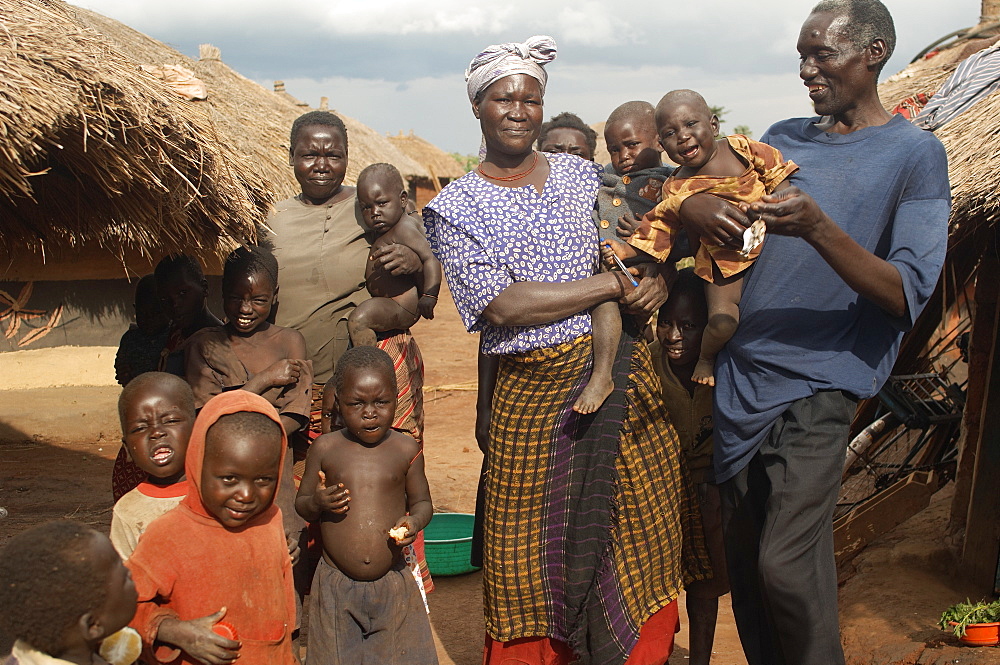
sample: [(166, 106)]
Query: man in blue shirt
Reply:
[(854, 251)]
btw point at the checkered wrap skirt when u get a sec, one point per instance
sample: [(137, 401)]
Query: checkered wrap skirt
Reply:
[(585, 516)]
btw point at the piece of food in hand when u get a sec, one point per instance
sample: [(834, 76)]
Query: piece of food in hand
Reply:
[(121, 648), (753, 237), (227, 630), (398, 533)]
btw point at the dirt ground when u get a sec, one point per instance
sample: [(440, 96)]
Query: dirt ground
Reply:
[(57, 446)]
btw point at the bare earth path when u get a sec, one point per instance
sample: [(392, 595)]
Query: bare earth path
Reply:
[(57, 446)]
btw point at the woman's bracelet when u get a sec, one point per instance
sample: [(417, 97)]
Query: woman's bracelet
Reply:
[(428, 295)]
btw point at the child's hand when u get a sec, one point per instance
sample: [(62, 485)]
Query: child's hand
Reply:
[(426, 306), (336, 499), (293, 547), (285, 372), (404, 531), (627, 225), (196, 638)]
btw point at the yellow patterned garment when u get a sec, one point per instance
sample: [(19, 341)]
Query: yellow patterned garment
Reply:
[(546, 480), (766, 169)]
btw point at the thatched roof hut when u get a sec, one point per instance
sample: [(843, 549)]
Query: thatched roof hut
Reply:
[(95, 152), (441, 167), (249, 117), (439, 163), (972, 140)]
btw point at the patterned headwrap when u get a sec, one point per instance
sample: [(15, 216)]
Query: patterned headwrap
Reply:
[(501, 60)]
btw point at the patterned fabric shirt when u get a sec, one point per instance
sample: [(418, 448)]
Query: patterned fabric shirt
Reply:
[(487, 237)]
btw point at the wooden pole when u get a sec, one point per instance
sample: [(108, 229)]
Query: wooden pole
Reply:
[(981, 549), (980, 350)]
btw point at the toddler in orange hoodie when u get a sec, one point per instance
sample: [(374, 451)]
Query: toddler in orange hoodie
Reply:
[(222, 551)]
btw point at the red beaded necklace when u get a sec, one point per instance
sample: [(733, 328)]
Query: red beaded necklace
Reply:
[(509, 178)]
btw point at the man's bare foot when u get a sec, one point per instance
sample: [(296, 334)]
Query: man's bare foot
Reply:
[(593, 395), (704, 372)]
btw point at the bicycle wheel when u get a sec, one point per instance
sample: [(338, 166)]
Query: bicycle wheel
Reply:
[(893, 456)]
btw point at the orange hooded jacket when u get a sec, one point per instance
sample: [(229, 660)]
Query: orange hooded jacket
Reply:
[(188, 565)]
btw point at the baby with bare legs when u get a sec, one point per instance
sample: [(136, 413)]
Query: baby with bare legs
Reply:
[(734, 168), (397, 302)]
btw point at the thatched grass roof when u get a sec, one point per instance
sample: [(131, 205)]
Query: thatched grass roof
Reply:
[(972, 141), (439, 163), (254, 120), (92, 149)]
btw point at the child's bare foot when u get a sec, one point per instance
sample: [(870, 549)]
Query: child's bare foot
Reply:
[(364, 337), (704, 372), (593, 395)]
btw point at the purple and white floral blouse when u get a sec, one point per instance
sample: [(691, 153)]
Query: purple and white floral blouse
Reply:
[(487, 237)]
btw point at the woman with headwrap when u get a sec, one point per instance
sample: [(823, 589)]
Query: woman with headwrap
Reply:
[(584, 515)]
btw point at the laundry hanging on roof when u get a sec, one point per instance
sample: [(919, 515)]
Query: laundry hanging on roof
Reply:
[(976, 78), (179, 80)]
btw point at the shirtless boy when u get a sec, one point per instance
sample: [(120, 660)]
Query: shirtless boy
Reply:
[(397, 302), (734, 168), (365, 485)]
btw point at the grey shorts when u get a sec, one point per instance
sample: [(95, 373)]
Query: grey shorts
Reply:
[(381, 622)]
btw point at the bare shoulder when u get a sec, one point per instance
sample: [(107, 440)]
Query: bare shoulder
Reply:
[(289, 338), (404, 443), (326, 445)]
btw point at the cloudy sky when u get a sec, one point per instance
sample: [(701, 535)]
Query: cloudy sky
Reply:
[(398, 64)]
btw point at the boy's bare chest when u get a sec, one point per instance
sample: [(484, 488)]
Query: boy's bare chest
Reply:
[(366, 471)]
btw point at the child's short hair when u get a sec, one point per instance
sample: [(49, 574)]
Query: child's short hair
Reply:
[(363, 357), (387, 172), (161, 379), (686, 282), (569, 121), (178, 264), (49, 582), (249, 260), (145, 289), (316, 119), (690, 97), (250, 424), (630, 111)]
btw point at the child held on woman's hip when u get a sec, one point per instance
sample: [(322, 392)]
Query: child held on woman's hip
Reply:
[(734, 168), (397, 302), (630, 188), (365, 485)]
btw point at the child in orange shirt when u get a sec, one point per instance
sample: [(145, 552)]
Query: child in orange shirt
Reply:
[(221, 553)]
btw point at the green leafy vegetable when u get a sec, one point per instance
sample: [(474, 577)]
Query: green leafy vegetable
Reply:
[(963, 614)]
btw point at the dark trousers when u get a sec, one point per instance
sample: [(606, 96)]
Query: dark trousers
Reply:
[(777, 519)]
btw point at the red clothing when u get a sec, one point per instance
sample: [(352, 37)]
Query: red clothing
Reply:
[(656, 643), (187, 565)]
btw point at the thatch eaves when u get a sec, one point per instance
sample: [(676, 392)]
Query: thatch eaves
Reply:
[(254, 120), (95, 151), (972, 141)]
